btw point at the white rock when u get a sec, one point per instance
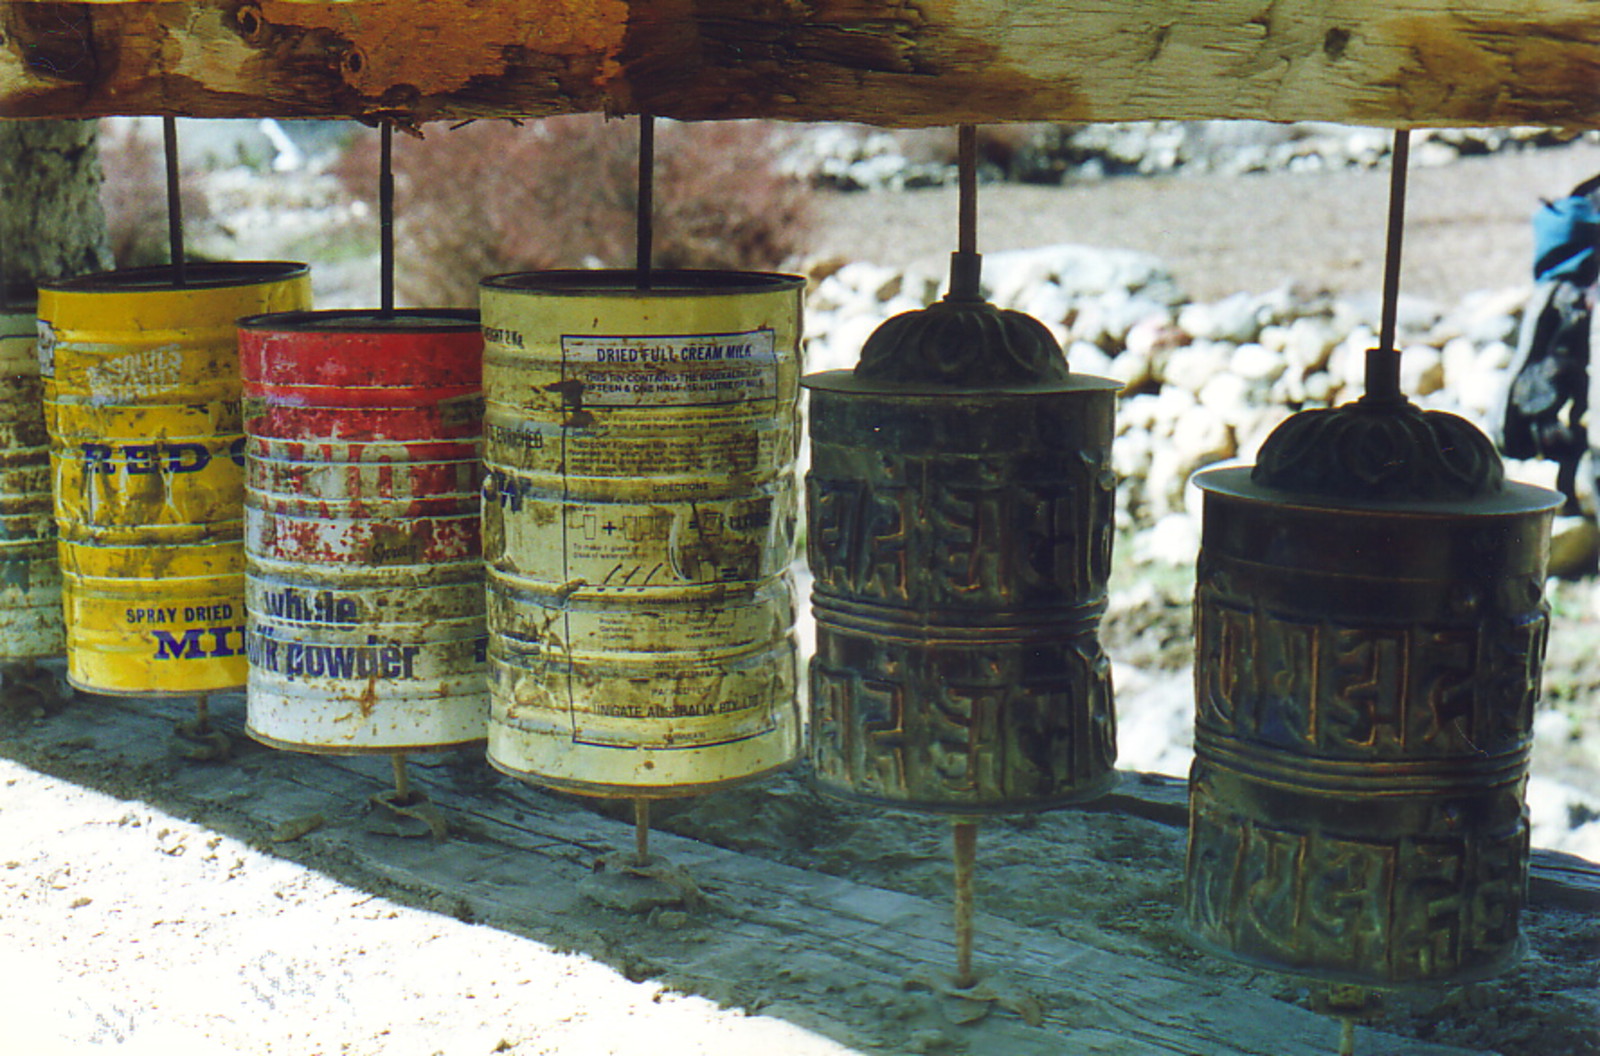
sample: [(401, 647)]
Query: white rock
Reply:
[(1085, 358), (1289, 389), (1347, 364), (1250, 435), (1552, 807), (1156, 332), (1421, 370), (1233, 319), (1483, 316), (1256, 364), (1191, 366), (1308, 342), (1574, 546), (1082, 271), (1140, 412), (1475, 377), (860, 280), (1200, 437), (1136, 370), (842, 349), (1229, 396), (1171, 405), (1172, 540), (1322, 389)]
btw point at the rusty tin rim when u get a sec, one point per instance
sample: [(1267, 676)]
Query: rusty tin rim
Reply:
[(196, 276), (608, 790), (619, 282), (321, 748), (363, 320)]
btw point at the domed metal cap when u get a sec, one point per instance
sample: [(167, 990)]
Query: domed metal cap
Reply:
[(1380, 450), (963, 341)]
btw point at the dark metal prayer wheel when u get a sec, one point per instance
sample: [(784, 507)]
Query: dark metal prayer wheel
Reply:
[(960, 506), (1370, 626)]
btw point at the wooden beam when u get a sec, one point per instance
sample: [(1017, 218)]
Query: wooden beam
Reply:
[(886, 62)]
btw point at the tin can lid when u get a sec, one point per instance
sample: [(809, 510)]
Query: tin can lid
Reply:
[(209, 275), (664, 282), (364, 320)]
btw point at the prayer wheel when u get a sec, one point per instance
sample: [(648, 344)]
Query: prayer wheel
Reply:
[(142, 393), (639, 527), (364, 574), (30, 577), (1370, 623), (959, 505)]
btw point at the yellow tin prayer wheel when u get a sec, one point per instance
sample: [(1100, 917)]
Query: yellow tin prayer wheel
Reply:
[(142, 401), (30, 577), (639, 526)]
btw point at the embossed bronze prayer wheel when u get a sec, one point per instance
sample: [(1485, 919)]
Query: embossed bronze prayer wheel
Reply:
[(1370, 628), (960, 506)]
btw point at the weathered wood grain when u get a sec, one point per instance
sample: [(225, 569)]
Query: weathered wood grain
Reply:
[(887, 62), (827, 953)]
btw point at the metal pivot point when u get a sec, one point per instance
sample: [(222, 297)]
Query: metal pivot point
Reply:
[(386, 220), (402, 778), (644, 203), (641, 831), (169, 136), (407, 805), (964, 835), (211, 743)]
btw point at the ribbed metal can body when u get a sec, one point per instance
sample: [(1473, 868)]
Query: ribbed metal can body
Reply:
[(30, 575), (147, 452), (1365, 682), (639, 525), (960, 543), (364, 571)]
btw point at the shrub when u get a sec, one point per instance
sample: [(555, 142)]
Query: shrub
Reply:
[(134, 196), (493, 197)]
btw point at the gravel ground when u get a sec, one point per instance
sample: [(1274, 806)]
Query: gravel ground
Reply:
[(1467, 223)]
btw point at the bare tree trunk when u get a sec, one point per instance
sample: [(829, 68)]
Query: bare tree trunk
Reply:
[(51, 222)]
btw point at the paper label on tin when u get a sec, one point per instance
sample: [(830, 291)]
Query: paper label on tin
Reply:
[(684, 370), (46, 346)]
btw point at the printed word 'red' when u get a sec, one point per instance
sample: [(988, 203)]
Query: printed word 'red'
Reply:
[(155, 458)]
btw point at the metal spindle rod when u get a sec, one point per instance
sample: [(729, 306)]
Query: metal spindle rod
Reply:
[(1347, 1037), (967, 214), (202, 713), (386, 220), (402, 778), (1383, 365), (644, 223), (965, 262), (169, 136), (965, 840), (5, 262), (641, 830)]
